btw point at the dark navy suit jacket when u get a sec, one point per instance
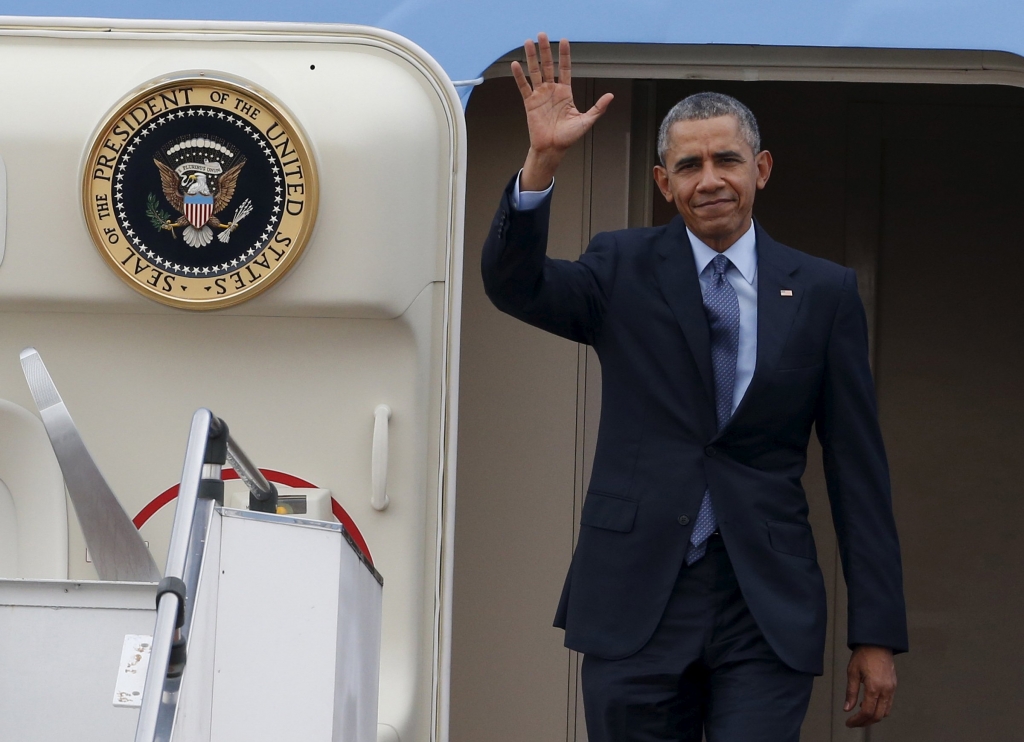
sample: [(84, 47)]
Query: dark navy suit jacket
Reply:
[(634, 296)]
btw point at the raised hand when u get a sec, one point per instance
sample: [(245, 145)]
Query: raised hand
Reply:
[(554, 121)]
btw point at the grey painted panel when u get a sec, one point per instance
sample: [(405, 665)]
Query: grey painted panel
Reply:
[(3, 209), (61, 644)]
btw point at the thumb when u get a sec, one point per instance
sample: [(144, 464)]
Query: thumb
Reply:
[(852, 690), (597, 110)]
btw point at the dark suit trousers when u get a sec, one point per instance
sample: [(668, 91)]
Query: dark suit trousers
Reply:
[(707, 670)]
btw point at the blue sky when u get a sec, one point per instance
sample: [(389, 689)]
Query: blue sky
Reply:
[(466, 36)]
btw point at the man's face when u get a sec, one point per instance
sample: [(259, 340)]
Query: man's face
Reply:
[(711, 174)]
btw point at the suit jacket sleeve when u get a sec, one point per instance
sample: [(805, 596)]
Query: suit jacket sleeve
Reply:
[(857, 474), (565, 297)]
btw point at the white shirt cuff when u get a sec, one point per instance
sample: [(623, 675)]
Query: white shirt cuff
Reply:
[(528, 200)]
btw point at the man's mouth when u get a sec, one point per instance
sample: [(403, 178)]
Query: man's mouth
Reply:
[(715, 202)]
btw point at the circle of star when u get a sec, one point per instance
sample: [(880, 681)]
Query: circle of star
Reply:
[(191, 270)]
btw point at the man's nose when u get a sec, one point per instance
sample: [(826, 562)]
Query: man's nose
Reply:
[(709, 178)]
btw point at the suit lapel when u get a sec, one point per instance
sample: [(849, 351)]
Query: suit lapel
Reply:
[(776, 272), (677, 279)]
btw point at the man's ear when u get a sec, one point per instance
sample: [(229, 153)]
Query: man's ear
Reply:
[(763, 162), (661, 178)]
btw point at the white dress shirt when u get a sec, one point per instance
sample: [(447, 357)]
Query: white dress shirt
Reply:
[(526, 200)]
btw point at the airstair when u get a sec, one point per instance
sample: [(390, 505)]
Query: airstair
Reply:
[(239, 639)]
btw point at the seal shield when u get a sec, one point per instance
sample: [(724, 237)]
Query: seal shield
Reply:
[(200, 191)]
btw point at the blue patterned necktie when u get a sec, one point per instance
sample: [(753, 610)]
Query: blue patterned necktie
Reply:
[(723, 311)]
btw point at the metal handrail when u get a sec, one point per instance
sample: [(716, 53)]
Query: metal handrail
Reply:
[(262, 494), (210, 446), (160, 694)]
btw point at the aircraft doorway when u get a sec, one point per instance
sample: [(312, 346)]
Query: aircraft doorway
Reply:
[(916, 186)]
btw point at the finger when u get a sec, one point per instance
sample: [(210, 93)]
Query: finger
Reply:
[(852, 691), (547, 64), (524, 87), (860, 719), (531, 63), (597, 110), (885, 702), (564, 63), (863, 717), (869, 705)]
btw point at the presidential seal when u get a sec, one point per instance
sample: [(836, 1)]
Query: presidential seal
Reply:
[(200, 192)]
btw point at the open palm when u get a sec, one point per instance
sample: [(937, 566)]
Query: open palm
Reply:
[(554, 121)]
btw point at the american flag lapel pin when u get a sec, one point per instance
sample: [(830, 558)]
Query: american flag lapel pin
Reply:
[(786, 292)]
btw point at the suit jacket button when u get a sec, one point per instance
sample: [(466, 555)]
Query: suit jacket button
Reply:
[(711, 451), (683, 520)]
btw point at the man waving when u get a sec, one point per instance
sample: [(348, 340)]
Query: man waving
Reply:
[(694, 593)]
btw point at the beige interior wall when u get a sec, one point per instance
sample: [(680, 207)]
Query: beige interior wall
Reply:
[(951, 355), (852, 183), (529, 409), (517, 460), (528, 421)]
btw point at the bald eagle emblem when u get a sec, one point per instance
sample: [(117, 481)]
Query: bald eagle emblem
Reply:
[(198, 176)]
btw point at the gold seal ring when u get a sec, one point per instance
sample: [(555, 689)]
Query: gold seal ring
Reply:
[(200, 191)]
